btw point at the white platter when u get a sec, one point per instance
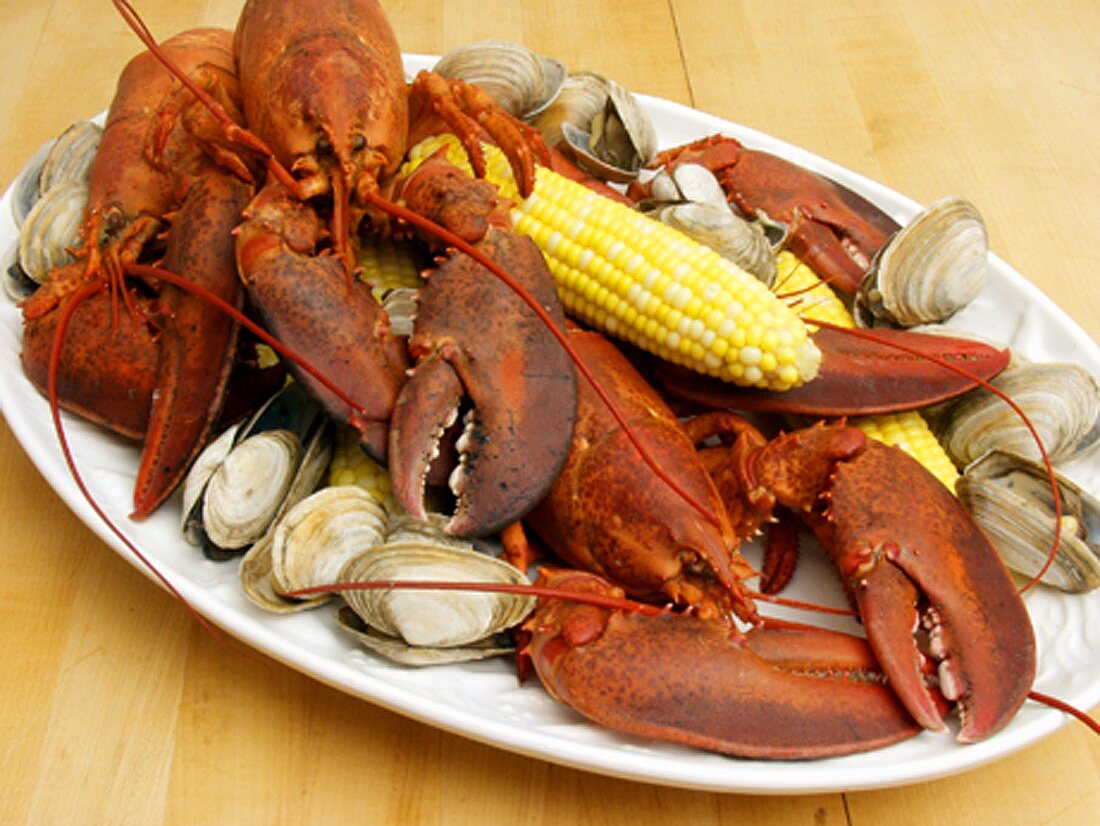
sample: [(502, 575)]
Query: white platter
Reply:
[(484, 701)]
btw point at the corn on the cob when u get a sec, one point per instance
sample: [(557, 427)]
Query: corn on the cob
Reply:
[(642, 281), (813, 299)]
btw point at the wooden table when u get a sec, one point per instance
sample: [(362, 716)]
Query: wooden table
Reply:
[(118, 708)]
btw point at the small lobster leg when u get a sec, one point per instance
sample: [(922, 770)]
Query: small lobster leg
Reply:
[(917, 568), (475, 339), (310, 305), (608, 513), (781, 693), (834, 230), (198, 342)]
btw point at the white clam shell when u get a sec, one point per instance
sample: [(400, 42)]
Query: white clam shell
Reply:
[(1011, 499), (522, 82), (246, 491), (1061, 399), (51, 229), (932, 268), (435, 619)]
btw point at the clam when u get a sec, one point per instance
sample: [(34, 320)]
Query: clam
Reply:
[(600, 124), (690, 199), (241, 483), (309, 546), (51, 230), (425, 627), (522, 83), (1011, 499), (70, 158), (932, 268), (1062, 400)]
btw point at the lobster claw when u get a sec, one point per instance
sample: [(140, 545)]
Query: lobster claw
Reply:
[(311, 305), (775, 693), (834, 230), (929, 587), (475, 340)]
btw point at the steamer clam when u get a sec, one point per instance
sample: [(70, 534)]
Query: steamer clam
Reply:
[(522, 82), (1010, 496), (929, 270), (48, 205), (689, 198), (253, 472), (599, 123)]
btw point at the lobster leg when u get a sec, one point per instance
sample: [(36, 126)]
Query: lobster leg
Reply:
[(917, 567), (781, 693)]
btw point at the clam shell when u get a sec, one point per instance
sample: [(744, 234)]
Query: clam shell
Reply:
[(51, 229), (194, 484), (247, 489), (522, 82), (398, 651), (1010, 498), (932, 268), (309, 545), (70, 158), (601, 124), (1062, 400), (732, 237), (435, 619)]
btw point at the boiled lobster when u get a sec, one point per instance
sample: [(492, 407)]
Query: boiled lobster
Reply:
[(170, 353), (936, 576)]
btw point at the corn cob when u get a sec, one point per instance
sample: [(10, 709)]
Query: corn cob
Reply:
[(642, 281), (813, 299)]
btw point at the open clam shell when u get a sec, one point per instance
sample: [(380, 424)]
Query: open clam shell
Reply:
[(242, 483), (1010, 497), (51, 229), (309, 546), (932, 268), (421, 627), (1062, 400), (70, 158), (522, 82), (600, 124)]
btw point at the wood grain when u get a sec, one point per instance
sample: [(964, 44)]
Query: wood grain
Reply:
[(115, 707)]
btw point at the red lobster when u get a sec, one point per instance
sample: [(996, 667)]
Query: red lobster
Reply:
[(931, 579), (834, 230), (158, 368), (323, 88)]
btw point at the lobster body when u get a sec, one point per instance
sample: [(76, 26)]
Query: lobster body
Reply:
[(323, 87), (608, 513)]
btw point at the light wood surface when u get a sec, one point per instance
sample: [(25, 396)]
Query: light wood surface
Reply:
[(116, 707)]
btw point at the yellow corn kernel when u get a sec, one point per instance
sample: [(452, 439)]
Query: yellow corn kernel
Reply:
[(350, 465), (814, 299)]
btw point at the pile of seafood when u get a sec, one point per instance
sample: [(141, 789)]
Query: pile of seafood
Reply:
[(204, 278)]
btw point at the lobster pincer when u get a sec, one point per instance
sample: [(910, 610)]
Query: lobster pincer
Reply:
[(929, 587), (831, 228), (480, 351)]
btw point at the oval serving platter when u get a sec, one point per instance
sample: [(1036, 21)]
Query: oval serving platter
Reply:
[(484, 701)]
